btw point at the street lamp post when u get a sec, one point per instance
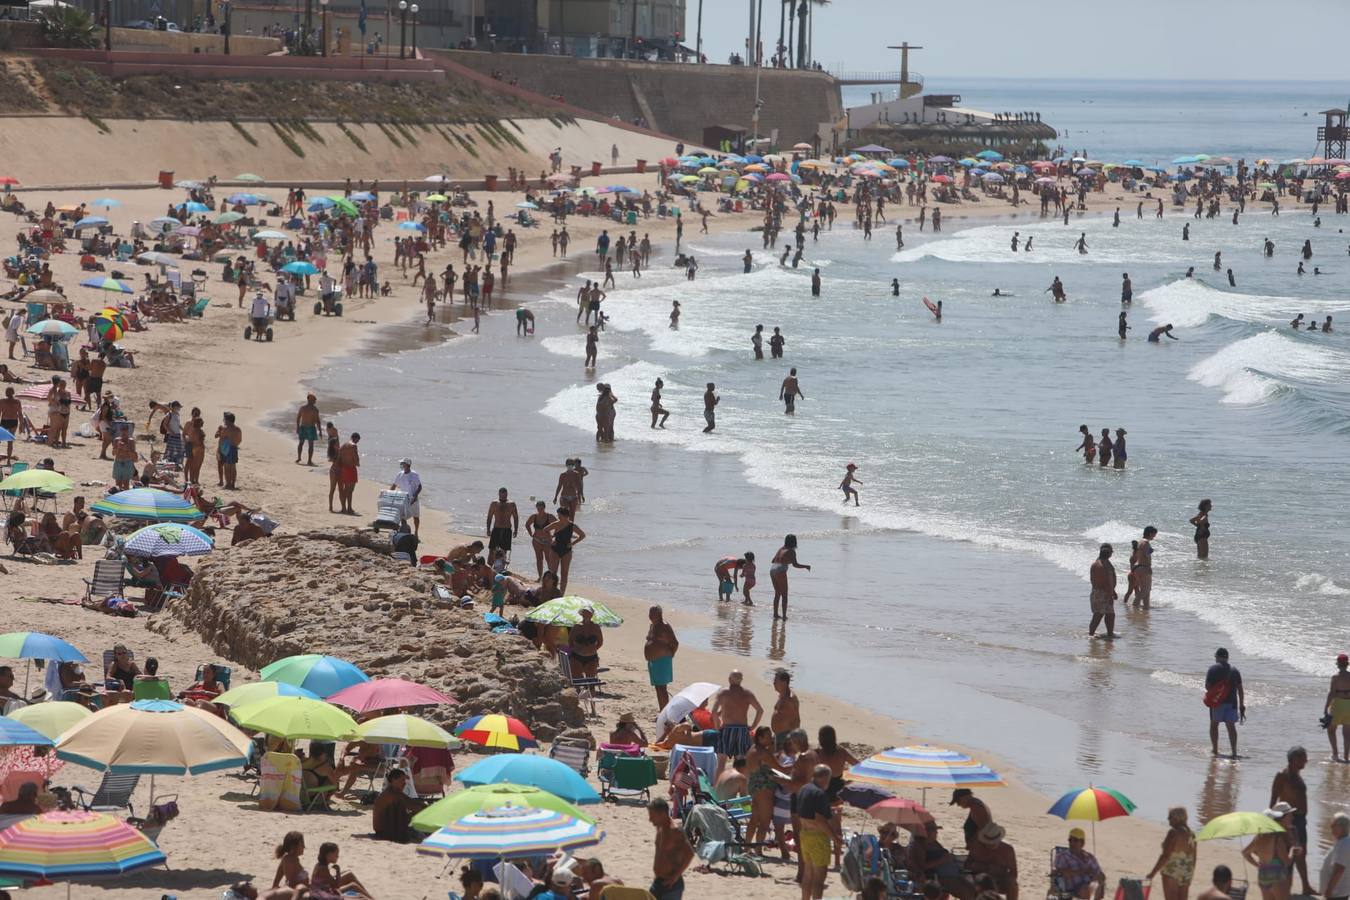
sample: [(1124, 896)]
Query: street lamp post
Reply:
[(402, 28), (413, 9), (225, 27), (107, 26), (323, 38)]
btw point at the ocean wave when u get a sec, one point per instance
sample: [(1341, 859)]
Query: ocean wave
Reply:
[(1314, 583), (1190, 303), (1255, 369)]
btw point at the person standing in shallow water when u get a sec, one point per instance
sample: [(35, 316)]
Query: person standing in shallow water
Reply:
[(790, 391), (1121, 325), (1088, 445), (1104, 448), (1201, 522), (1102, 598), (778, 573), (1121, 455)]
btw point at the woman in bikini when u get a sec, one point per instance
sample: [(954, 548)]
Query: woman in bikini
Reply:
[(334, 442), (759, 762), (1177, 860), (122, 672), (290, 869), (1201, 522), (328, 876), (534, 527), (586, 641), (562, 535), (778, 572), (1270, 853)]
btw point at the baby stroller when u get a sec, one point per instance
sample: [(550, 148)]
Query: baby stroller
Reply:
[(391, 509)]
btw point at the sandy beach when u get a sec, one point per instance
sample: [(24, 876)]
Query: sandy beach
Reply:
[(221, 836)]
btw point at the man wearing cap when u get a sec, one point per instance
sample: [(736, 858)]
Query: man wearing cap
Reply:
[(1290, 787), (731, 712), (977, 813), (1337, 710), (996, 858), (1077, 869), (1225, 698), (410, 483), (1335, 876), (818, 832)]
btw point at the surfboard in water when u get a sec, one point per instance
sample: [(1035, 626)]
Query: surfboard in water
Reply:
[(932, 307)]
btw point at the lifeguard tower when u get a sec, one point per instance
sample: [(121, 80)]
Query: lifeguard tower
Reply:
[(1332, 135)]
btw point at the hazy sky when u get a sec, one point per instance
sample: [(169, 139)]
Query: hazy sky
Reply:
[(1096, 39)]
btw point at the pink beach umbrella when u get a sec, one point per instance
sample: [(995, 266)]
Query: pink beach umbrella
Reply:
[(778, 176), (388, 693)]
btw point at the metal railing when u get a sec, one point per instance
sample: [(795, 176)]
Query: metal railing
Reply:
[(884, 77)]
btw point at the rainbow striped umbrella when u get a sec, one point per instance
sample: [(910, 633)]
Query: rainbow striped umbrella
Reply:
[(502, 732), (1092, 804), (104, 283), (924, 766), (511, 831), (148, 503), (324, 675), (74, 844), (491, 796)]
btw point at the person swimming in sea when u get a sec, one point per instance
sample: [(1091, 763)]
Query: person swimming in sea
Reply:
[(1297, 322), (847, 484), (1190, 273), (895, 287), (1165, 331)]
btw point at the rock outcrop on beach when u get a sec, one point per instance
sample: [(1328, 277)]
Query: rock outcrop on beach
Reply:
[(337, 591)]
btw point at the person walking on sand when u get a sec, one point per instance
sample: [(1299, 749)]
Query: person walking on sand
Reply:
[(228, 438), (1141, 564), (673, 853), (349, 466), (658, 411), (1336, 710), (789, 392), (659, 650), (847, 484), (710, 401), (731, 715), (1201, 522), (778, 573), (1102, 598), (1226, 701), (1289, 786), (307, 427), (503, 523), (410, 483), (1176, 862)]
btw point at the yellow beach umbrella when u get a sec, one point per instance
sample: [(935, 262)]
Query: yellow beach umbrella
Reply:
[(51, 719), (37, 479), (411, 731)]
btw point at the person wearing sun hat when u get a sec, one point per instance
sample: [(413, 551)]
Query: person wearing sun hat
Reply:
[(628, 731), (1077, 869), (995, 857), (1337, 709)]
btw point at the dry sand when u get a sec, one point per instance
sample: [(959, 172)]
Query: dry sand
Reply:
[(221, 835)]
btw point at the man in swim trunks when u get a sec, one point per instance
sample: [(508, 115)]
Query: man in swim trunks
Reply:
[(503, 523), (1103, 596), (787, 714), (1141, 565), (570, 486), (659, 651), (730, 712), (307, 427), (1338, 709), (228, 438), (348, 465), (818, 832), (1290, 787), (673, 853), (790, 391), (1231, 707)]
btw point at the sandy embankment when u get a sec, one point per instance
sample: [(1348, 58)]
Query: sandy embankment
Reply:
[(206, 363)]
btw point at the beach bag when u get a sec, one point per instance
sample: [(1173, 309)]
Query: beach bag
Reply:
[(1217, 695), (1132, 889)]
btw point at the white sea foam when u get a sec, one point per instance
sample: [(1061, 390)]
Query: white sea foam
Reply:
[(1189, 303), (1254, 369), (1314, 583)]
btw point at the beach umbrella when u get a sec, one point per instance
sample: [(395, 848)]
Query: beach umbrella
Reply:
[(74, 844), (226, 218), (437, 179), (147, 503), (898, 162), (154, 737), (156, 258), (1136, 163), (991, 155), (14, 733), (923, 766), (103, 283), (320, 204), (35, 644), (37, 480), (527, 768), (300, 267), (778, 176), (501, 732), (409, 731), (105, 203), (511, 831), (346, 206), (685, 702), (169, 539), (295, 718), (708, 170), (52, 718), (942, 179), (249, 176), (939, 160), (411, 226), (993, 178), (262, 690), (566, 611), (802, 146), (491, 796), (7, 435), (525, 204), (388, 693), (898, 811), (164, 223), (863, 796), (90, 222), (193, 231), (1092, 804), (361, 197), (967, 162), (52, 328), (324, 675), (1238, 824), (246, 199), (108, 329), (1185, 160), (45, 296), (8, 179), (436, 198), (192, 206), (269, 235), (188, 184), (1045, 181)]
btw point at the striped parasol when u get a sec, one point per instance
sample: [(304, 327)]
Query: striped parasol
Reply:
[(510, 831), (324, 675), (502, 732), (108, 328), (169, 539), (14, 733), (491, 796), (1092, 804), (923, 766), (104, 283), (74, 844), (148, 503)]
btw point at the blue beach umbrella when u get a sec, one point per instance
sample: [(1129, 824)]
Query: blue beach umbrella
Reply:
[(300, 267), (1138, 163), (923, 766), (536, 771), (147, 503), (105, 203), (165, 222), (192, 206), (90, 222), (362, 197), (411, 226), (36, 645), (6, 435), (17, 734), (991, 155), (246, 199), (324, 675), (320, 204), (1185, 161)]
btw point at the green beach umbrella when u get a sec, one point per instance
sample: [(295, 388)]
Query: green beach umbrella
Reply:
[(147, 503), (227, 218), (1238, 824), (408, 730), (261, 690), (53, 718), (346, 206), (37, 479), (324, 675), (492, 796), (566, 611), (295, 718), (248, 176)]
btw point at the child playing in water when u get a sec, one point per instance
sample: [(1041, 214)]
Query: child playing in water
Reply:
[(748, 578), (1133, 582), (847, 484)]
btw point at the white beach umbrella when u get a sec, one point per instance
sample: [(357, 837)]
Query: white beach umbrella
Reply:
[(685, 702)]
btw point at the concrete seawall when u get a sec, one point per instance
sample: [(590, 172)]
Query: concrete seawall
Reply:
[(676, 99)]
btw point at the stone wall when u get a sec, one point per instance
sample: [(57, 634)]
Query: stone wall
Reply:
[(339, 592), (678, 99)]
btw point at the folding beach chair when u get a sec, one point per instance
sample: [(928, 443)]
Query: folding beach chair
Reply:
[(114, 793), (573, 753), (710, 833), (109, 581), (626, 777), (585, 687)]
